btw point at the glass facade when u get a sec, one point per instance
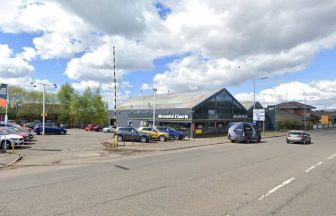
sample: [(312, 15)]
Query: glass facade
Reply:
[(221, 106)]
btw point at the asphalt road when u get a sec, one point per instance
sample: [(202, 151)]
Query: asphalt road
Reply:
[(268, 178)]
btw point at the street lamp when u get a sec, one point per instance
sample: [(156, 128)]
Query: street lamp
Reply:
[(254, 90), (154, 94), (305, 113), (43, 106)]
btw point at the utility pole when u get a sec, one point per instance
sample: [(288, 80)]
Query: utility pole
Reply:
[(154, 94), (115, 100)]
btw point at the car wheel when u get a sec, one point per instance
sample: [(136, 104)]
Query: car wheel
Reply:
[(304, 142), (287, 141), (258, 140), (232, 141), (248, 140), (162, 138), (8, 144), (120, 138), (62, 132), (143, 139)]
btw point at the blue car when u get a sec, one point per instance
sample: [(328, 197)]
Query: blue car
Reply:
[(172, 132), (49, 128)]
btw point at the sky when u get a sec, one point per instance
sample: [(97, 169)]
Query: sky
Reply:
[(174, 46)]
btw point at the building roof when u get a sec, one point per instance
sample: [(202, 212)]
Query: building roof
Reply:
[(293, 105), (249, 104), (185, 100)]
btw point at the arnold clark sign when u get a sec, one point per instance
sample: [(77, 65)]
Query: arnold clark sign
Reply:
[(173, 116)]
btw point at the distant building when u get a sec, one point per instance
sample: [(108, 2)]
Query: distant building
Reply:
[(289, 111)]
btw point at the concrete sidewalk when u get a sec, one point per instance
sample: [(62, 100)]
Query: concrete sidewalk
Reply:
[(7, 159)]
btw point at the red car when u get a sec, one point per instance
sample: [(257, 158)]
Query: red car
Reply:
[(93, 127), (90, 127)]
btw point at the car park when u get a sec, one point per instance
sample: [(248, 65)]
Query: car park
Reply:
[(175, 134), (49, 128), (243, 132), (8, 140), (298, 136), (109, 129), (131, 134), (155, 133)]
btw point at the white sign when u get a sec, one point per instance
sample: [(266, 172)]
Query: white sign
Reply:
[(240, 116), (173, 116), (258, 115)]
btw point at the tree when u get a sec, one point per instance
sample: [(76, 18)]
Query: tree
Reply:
[(64, 99), (16, 99)]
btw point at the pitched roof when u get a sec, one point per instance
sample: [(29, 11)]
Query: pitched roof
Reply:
[(168, 101), (293, 105), (249, 104)]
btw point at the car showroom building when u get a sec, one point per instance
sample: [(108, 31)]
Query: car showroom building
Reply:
[(198, 112)]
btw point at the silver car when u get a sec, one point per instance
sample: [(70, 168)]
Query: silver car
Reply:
[(298, 136)]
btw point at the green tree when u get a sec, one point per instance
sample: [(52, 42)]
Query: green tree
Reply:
[(64, 98), (16, 99)]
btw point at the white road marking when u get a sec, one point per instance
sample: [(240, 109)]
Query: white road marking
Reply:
[(276, 188), (312, 167), (331, 156)]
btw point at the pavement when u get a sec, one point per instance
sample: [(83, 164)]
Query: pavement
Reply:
[(7, 159)]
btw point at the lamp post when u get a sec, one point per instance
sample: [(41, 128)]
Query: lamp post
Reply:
[(254, 90), (43, 106), (154, 94), (305, 113)]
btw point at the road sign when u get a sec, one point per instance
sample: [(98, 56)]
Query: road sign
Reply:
[(258, 115), (325, 119)]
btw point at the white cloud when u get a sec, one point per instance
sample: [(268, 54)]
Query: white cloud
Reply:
[(61, 34), (14, 66), (317, 93), (98, 64), (213, 38)]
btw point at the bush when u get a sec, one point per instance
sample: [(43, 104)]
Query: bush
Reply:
[(291, 124)]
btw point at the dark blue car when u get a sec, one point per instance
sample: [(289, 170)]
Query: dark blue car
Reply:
[(172, 132), (49, 128)]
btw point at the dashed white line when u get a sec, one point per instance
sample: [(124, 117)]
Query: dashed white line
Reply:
[(331, 156), (276, 188), (312, 167)]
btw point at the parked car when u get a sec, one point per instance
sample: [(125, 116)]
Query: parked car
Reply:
[(49, 128), (12, 130), (298, 136), (93, 127), (243, 132), (155, 133), (9, 140), (175, 134), (131, 134), (109, 129), (10, 124)]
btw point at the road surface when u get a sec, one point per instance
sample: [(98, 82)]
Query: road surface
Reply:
[(268, 178)]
